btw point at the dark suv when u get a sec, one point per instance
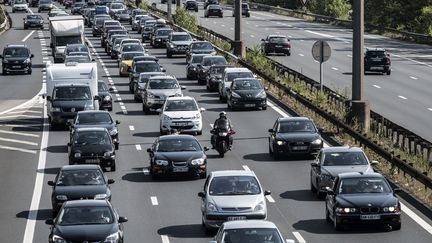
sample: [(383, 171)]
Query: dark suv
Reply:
[(245, 10), (191, 5), (16, 58), (377, 60)]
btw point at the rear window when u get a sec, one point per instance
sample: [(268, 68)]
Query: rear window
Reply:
[(375, 53), (232, 76), (16, 52)]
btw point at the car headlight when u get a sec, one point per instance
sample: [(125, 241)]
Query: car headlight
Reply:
[(150, 95), (235, 95), (261, 95), (317, 141), (114, 131), (77, 155), (58, 239), (108, 154), (112, 238), (171, 45), (61, 197), (391, 209), (100, 196), (326, 177), (166, 118), (161, 162), (260, 206), (88, 108), (178, 94), (56, 109), (197, 161), (346, 210), (107, 98), (280, 142), (197, 116), (211, 207)]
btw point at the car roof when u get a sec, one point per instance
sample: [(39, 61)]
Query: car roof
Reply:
[(233, 173), (80, 167), (150, 73), (236, 69), (294, 118), (90, 202), (181, 98), (375, 49), (273, 36), (167, 28), (244, 224), (177, 136), (359, 175), (162, 77), (199, 54), (179, 33), (90, 129), (146, 61), (342, 149), (16, 45), (94, 111)]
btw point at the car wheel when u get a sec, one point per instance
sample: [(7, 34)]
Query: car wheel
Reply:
[(327, 214), (270, 150), (169, 55), (199, 132), (110, 109), (264, 108), (203, 175), (29, 71), (229, 106), (146, 109), (207, 88), (25, 27), (276, 156), (113, 167), (336, 225), (71, 162), (388, 72), (4, 71), (312, 187), (396, 226)]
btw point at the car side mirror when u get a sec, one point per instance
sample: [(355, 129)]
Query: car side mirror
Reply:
[(117, 122), (122, 219), (96, 97), (202, 109), (374, 162), (159, 111), (110, 89), (51, 183), (314, 164), (201, 194), (48, 98), (397, 190), (183, 87), (49, 222), (266, 193), (31, 55), (271, 130), (111, 181), (206, 148), (149, 150)]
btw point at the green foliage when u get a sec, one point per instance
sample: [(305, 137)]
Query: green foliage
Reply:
[(144, 5), (186, 20), (333, 8), (424, 21)]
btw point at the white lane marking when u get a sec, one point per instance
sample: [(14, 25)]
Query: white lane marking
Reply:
[(24, 111), (18, 141), (316, 61), (15, 116), (402, 97), (328, 36), (37, 191), (120, 103), (154, 201), (223, 25), (416, 218), (412, 77), (125, 112), (252, 36), (376, 86), (132, 128), (123, 107), (246, 168), (430, 109), (211, 125), (165, 239), (299, 237), (412, 60), (28, 36), (302, 55), (118, 95), (138, 147), (146, 171), (30, 11), (335, 68), (270, 198), (277, 109), (20, 133), (18, 149)]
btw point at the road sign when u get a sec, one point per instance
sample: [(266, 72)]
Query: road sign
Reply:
[(321, 51)]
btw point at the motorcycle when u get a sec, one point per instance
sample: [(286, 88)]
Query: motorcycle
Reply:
[(222, 143)]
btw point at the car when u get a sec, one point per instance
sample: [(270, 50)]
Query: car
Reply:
[(105, 95), (79, 217), (20, 6), (165, 1), (96, 118), (68, 3), (76, 7), (45, 5), (75, 182), (259, 231), (115, 46), (246, 93), (101, 9), (145, 28), (191, 5), (160, 37), (377, 60), (362, 198), (245, 11), (33, 20), (137, 12), (177, 155), (178, 43), (92, 145), (138, 86), (113, 30), (75, 48), (109, 46), (89, 16), (32, 3), (192, 66), (210, 2), (228, 76), (294, 136), (16, 58), (125, 61), (231, 195), (122, 15), (56, 12), (125, 41), (158, 89), (332, 161), (213, 10), (79, 57), (158, 25), (206, 63), (214, 76), (276, 44), (115, 7), (135, 21), (97, 25), (200, 47), (143, 67), (182, 114)]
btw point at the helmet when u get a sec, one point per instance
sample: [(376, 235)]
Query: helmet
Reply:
[(222, 114), (161, 21)]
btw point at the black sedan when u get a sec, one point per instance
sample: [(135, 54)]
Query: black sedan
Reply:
[(105, 95), (207, 62), (362, 198), (200, 47), (294, 136), (33, 21), (177, 155), (213, 10), (75, 182), (191, 5), (192, 66), (92, 145), (160, 37), (276, 44), (246, 93), (87, 221), (143, 67), (214, 76)]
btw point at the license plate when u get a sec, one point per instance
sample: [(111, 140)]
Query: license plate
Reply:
[(180, 169), (370, 217), (376, 68), (92, 160), (16, 66), (236, 218), (299, 147), (181, 123), (249, 105), (278, 46)]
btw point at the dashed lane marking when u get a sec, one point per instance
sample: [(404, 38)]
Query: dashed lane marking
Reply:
[(154, 201), (335, 68), (376, 86), (20, 133), (132, 128), (138, 147), (18, 141), (429, 109), (302, 55), (18, 149), (403, 97), (412, 77), (28, 36), (246, 168), (270, 198), (15, 116), (298, 236), (165, 239)]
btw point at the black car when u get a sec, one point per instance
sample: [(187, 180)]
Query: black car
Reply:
[(45, 5), (192, 66), (87, 221), (207, 62), (200, 47), (178, 43), (294, 136), (157, 26), (33, 3), (75, 182), (33, 21), (105, 95), (98, 23), (177, 155), (276, 44), (165, 1), (16, 58), (76, 8), (160, 37), (92, 145), (143, 67), (79, 57), (213, 10), (191, 5), (362, 198), (377, 60), (214, 76), (210, 2), (246, 93)]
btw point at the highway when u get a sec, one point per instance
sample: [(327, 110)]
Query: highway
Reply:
[(403, 97), (166, 210)]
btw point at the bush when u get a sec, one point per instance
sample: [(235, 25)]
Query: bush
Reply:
[(333, 8), (424, 21), (186, 20)]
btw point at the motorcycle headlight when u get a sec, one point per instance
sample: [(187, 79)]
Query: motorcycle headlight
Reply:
[(235, 95), (197, 161), (280, 142), (56, 109), (317, 141), (107, 98), (161, 162), (261, 95), (260, 206), (77, 155), (114, 131), (112, 238), (211, 207), (61, 197), (223, 134), (100, 196), (58, 239)]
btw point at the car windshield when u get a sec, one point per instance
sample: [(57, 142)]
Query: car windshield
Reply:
[(131, 55), (127, 48), (163, 32), (100, 20), (80, 4), (102, 87), (64, 40), (84, 177), (181, 105), (147, 67), (85, 215), (118, 40), (234, 185), (116, 6), (34, 17), (181, 38), (375, 54), (214, 61), (147, 22), (123, 12), (363, 185), (78, 59), (217, 70), (245, 5), (80, 48), (296, 126), (259, 235), (84, 138), (93, 118), (278, 40), (16, 52), (344, 158), (202, 46), (197, 59), (178, 145), (232, 76), (249, 84), (163, 84), (72, 93), (145, 77)]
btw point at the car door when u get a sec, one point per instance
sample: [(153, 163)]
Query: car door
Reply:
[(316, 170), (152, 153), (272, 136), (331, 198), (204, 199)]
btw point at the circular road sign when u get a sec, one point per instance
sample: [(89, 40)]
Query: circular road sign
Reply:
[(321, 51)]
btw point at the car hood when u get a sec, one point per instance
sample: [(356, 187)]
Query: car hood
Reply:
[(179, 156), (181, 114), (90, 233), (205, 51), (88, 191), (364, 199), (181, 42), (335, 170), (164, 92), (71, 103), (247, 93), (297, 136), (127, 62), (232, 201), (16, 59), (109, 127), (95, 149)]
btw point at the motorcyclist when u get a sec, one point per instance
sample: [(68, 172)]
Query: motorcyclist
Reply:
[(219, 123)]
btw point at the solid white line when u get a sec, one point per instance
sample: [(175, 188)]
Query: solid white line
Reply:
[(270, 198), (132, 128), (430, 109), (376, 86), (302, 55), (246, 168), (402, 97), (334, 68), (412, 77), (24, 111), (37, 192), (299, 237), (28, 36), (138, 147), (277, 109), (165, 239), (154, 201), (18, 149), (416, 218), (252, 36), (20, 133), (17, 141)]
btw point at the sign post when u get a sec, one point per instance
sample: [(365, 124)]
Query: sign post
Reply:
[(321, 52)]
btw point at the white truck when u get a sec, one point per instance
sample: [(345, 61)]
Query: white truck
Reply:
[(65, 30), (70, 88)]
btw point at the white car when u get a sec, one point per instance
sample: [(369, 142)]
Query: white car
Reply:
[(136, 21), (228, 76), (181, 113), (20, 6)]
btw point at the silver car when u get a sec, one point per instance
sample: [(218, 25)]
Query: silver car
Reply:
[(232, 195), (332, 161), (158, 89)]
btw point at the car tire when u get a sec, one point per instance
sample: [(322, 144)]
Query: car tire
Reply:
[(146, 110), (327, 215), (312, 187), (169, 55), (203, 175), (110, 109), (336, 225), (136, 98), (396, 226), (25, 27), (207, 88), (4, 71), (276, 156), (113, 167), (30, 71), (388, 72), (264, 108), (270, 150), (199, 132)]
